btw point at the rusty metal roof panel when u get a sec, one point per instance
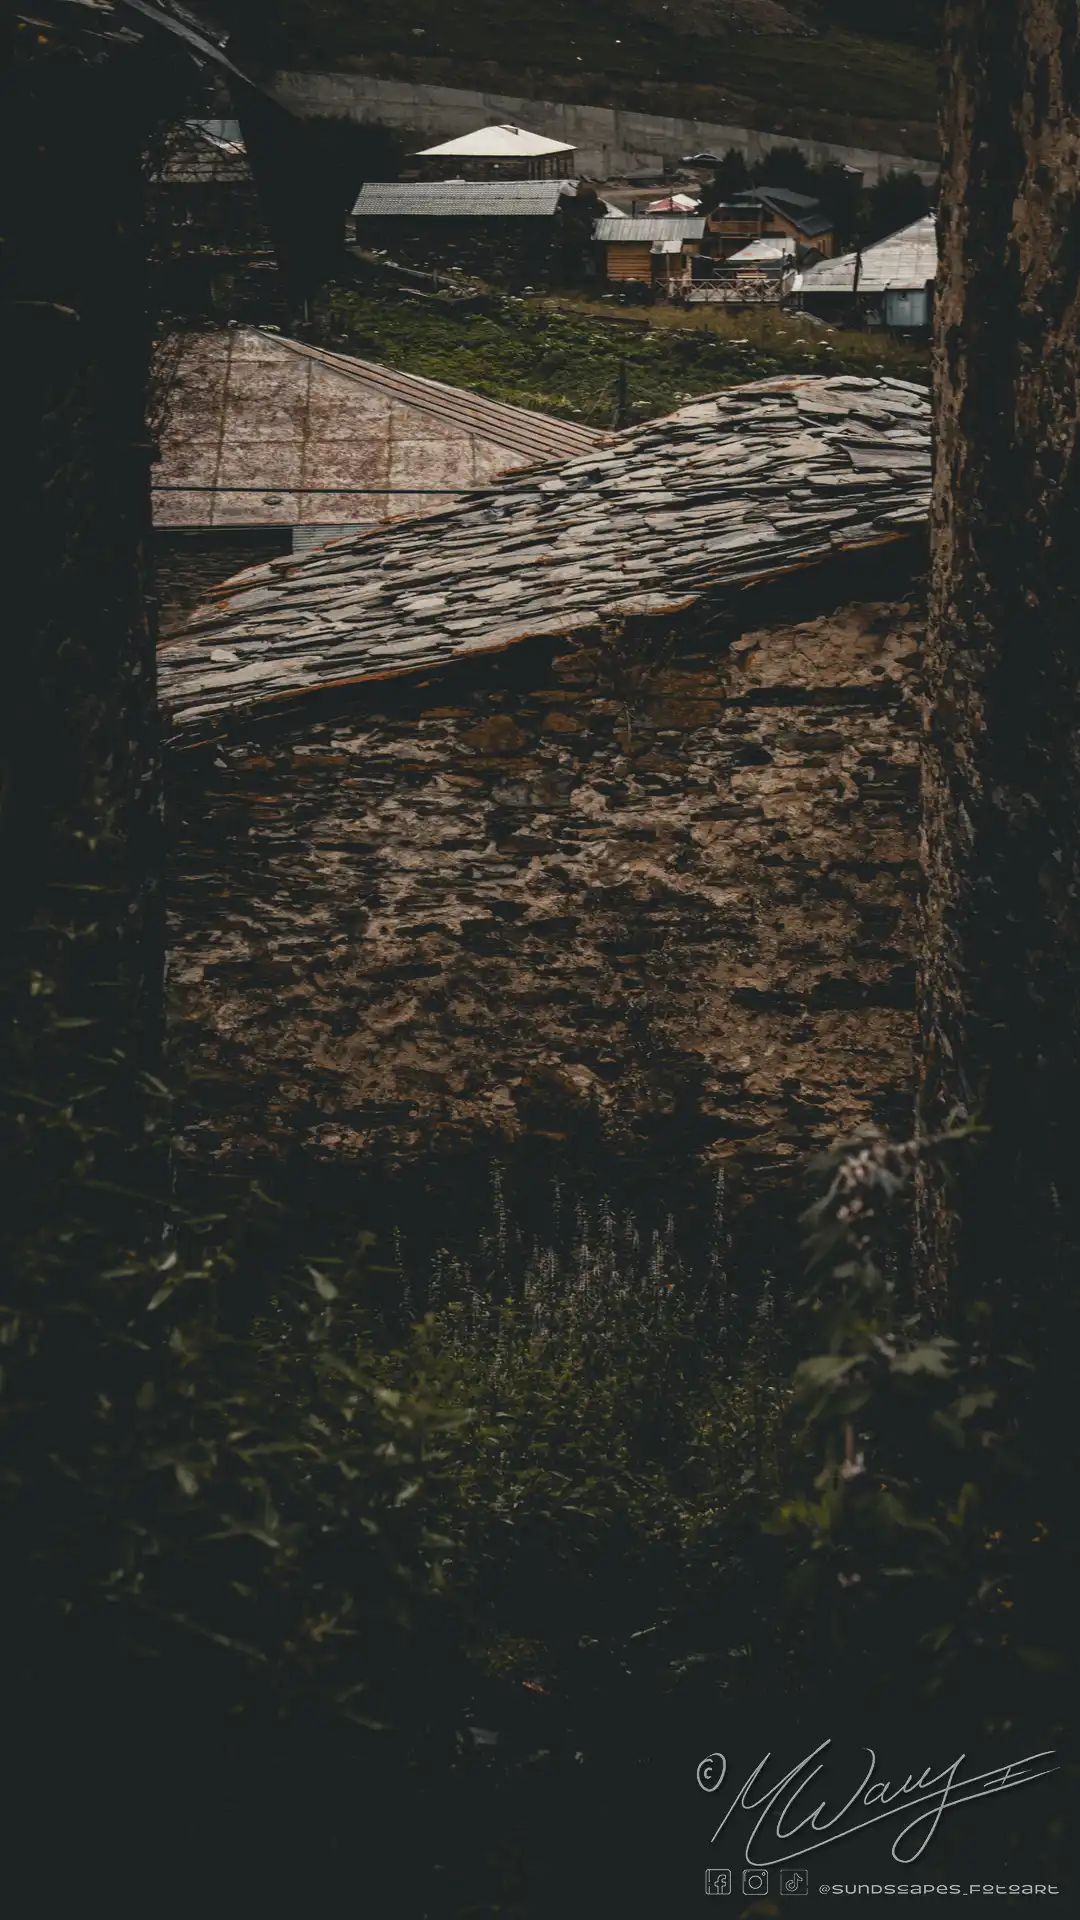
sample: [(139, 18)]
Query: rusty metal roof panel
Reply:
[(736, 487), (263, 430), (534, 435)]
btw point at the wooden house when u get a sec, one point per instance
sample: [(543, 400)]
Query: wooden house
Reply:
[(890, 284), (769, 213), (654, 250)]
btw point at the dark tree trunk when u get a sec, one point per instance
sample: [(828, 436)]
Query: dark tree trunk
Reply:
[(1000, 988), (81, 938), (81, 954)]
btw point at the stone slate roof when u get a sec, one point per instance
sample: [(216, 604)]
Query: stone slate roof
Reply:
[(461, 199), (735, 488)]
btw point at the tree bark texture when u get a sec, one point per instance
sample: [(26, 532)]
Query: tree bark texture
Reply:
[(1000, 983)]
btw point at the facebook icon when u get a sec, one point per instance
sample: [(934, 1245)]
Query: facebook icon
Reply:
[(717, 1880)]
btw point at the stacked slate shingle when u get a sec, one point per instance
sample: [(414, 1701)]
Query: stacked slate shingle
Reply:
[(734, 488)]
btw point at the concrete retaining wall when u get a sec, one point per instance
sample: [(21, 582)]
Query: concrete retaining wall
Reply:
[(611, 141)]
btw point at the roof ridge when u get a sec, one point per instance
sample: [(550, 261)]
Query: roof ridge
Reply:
[(532, 427)]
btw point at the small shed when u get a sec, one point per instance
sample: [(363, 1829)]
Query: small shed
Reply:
[(887, 285), (651, 250), (502, 152)]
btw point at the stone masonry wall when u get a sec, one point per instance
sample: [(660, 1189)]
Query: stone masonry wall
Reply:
[(660, 908)]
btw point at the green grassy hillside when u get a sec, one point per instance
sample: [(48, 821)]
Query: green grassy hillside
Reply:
[(562, 356)]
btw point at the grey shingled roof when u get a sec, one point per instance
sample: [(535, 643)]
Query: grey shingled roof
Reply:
[(654, 226), (784, 196), (460, 199), (803, 212), (736, 487)]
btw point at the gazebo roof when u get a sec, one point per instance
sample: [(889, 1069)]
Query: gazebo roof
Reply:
[(498, 143)]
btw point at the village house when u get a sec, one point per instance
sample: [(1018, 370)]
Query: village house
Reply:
[(889, 284), (770, 213), (573, 822), (500, 153), (269, 445), (655, 250), (520, 230)]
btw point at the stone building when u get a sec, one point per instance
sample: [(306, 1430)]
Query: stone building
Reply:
[(515, 231), (575, 825)]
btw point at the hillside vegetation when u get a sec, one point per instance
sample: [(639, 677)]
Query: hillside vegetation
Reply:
[(813, 71), (564, 356)]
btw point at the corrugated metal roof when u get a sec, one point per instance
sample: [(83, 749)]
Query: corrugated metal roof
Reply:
[(227, 130), (737, 487), (780, 247), (904, 259), (656, 226), (536, 435), (251, 410), (460, 199), (500, 143)]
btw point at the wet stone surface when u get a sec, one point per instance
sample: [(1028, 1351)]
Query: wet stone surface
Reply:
[(644, 911)]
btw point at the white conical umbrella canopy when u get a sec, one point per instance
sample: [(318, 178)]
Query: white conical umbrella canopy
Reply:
[(497, 143)]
